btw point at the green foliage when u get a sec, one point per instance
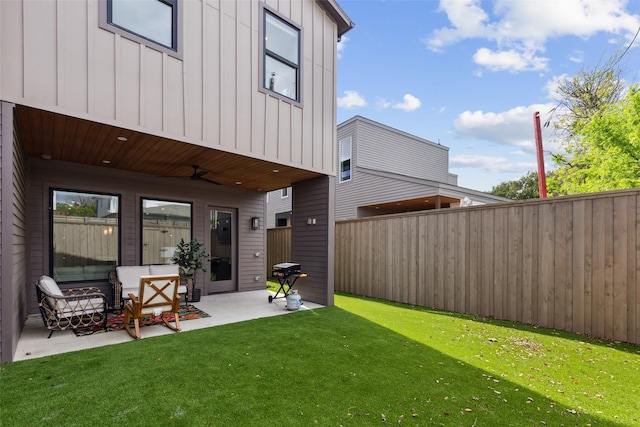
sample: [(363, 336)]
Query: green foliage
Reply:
[(83, 210), (190, 256), (520, 189), (608, 156), (363, 362)]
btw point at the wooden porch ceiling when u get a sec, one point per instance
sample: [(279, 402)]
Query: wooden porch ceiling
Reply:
[(411, 205), (81, 141)]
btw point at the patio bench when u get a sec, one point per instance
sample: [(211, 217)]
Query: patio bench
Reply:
[(126, 280), (71, 308)]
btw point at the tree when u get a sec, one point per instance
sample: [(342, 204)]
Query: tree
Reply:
[(520, 189), (609, 154)]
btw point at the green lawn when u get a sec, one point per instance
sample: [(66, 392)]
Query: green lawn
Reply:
[(363, 362)]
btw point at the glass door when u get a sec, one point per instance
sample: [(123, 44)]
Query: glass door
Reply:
[(222, 242)]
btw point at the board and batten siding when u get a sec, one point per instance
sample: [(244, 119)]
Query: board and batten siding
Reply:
[(571, 263), (55, 57)]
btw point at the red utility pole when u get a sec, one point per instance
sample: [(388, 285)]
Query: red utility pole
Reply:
[(542, 178)]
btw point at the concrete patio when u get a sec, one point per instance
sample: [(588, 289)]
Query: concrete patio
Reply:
[(223, 309)]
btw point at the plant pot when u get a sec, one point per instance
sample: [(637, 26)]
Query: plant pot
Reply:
[(196, 295)]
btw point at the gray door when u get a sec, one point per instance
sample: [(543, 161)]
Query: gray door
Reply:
[(222, 241)]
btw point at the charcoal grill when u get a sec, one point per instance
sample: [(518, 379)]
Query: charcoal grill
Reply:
[(287, 274)]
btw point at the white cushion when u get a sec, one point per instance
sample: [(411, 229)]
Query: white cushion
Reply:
[(129, 276), (164, 269), (50, 286)]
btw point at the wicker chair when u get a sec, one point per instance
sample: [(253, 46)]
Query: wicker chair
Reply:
[(70, 309), (157, 295)]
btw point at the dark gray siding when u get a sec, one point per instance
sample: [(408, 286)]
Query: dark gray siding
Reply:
[(313, 244), (13, 253), (131, 187)]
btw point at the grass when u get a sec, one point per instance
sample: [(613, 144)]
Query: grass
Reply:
[(362, 362)]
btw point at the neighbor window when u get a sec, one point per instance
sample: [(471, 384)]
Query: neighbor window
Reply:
[(164, 224), (150, 22), (345, 159), (284, 192), (281, 56), (84, 235)]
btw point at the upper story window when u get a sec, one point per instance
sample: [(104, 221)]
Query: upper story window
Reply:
[(153, 23), (345, 159), (281, 57), (284, 192)]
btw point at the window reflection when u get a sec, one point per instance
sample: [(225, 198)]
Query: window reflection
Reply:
[(164, 224)]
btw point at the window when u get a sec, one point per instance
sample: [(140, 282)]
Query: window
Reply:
[(84, 235), (153, 23), (284, 192), (164, 224), (345, 159), (281, 57)]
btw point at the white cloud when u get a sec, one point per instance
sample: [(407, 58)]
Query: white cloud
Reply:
[(342, 44), (520, 29), (409, 103), (351, 99), (514, 127), (509, 60), (491, 164)]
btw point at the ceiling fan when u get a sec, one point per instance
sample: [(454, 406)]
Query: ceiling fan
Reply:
[(198, 175)]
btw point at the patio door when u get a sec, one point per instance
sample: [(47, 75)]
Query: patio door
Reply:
[(222, 241)]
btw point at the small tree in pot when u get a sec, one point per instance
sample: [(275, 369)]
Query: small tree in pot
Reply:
[(191, 257)]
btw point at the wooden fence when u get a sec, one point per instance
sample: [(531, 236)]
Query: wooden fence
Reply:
[(278, 247), (569, 263)]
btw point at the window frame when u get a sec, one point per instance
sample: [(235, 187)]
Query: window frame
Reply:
[(341, 160), (284, 192), (163, 200), (50, 203), (264, 53), (176, 50)]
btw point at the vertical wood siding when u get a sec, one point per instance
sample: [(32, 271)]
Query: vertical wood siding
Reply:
[(55, 57), (569, 263)]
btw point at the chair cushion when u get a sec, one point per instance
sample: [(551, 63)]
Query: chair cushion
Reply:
[(129, 276), (163, 269), (50, 286)]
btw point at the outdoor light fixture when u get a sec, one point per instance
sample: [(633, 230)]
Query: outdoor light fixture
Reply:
[(255, 223)]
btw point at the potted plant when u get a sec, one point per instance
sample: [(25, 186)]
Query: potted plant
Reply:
[(191, 257)]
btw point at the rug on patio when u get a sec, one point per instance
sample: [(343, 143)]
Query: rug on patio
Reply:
[(115, 320)]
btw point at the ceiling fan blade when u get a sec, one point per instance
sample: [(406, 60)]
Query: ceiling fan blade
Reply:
[(209, 180)]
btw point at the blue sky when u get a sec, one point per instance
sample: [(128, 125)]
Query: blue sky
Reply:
[(470, 74)]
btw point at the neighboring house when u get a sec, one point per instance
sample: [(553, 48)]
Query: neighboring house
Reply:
[(123, 130), (382, 170)]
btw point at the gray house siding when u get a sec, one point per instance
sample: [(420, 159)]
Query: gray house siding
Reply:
[(277, 204), (53, 174), (313, 244), (390, 150), (13, 253)]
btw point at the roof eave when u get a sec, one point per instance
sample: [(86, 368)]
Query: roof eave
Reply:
[(335, 11)]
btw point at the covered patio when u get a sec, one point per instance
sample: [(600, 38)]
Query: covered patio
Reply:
[(222, 308)]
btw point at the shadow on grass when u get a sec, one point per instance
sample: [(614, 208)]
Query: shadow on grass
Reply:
[(327, 367), (525, 327)]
